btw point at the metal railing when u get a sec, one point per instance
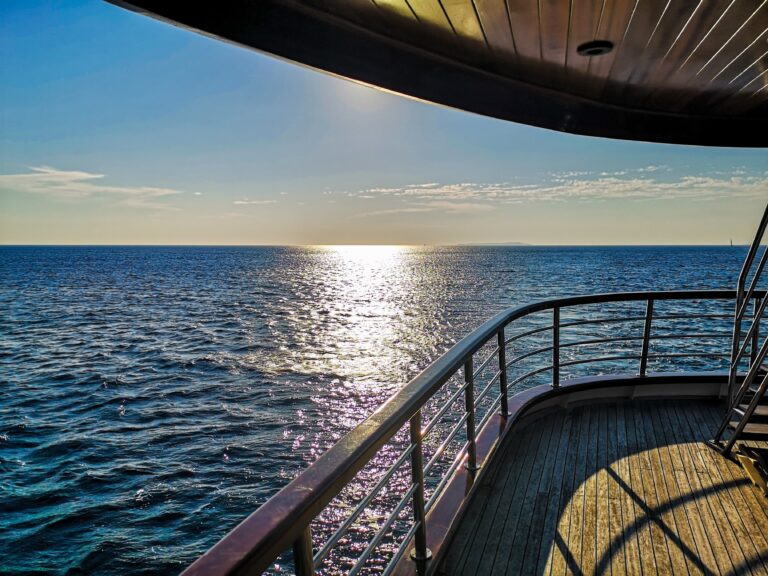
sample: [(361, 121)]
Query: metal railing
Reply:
[(366, 501), (738, 415), (751, 340)]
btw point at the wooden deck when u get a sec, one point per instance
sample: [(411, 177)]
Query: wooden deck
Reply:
[(614, 488)]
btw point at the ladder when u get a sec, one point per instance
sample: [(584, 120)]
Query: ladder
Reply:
[(747, 414)]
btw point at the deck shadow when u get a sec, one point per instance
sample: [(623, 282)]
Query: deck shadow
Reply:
[(623, 487)]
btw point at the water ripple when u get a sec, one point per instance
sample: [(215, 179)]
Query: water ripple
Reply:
[(150, 398)]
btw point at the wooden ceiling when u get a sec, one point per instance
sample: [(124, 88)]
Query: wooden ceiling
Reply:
[(679, 55), (685, 71)]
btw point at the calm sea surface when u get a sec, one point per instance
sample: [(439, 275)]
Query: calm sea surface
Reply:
[(150, 398)]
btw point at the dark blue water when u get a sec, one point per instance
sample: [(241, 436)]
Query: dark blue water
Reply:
[(150, 398)]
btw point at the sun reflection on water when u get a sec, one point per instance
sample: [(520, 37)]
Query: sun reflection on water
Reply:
[(342, 332), (361, 296)]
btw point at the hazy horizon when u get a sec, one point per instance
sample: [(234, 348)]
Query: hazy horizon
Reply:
[(458, 244), (121, 130)]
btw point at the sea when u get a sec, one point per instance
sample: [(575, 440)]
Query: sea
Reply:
[(152, 397)]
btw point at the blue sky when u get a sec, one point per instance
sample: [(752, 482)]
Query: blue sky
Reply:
[(118, 129)]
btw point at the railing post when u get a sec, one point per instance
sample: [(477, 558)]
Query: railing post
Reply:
[(646, 337), (302, 553), (733, 367), (469, 404), (420, 552), (555, 347), (503, 373), (755, 333)]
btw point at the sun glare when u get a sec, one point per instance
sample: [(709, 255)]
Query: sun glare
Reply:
[(364, 252), (358, 293)]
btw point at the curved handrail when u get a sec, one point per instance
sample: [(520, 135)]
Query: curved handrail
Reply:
[(284, 519)]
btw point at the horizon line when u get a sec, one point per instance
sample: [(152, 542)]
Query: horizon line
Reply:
[(408, 245)]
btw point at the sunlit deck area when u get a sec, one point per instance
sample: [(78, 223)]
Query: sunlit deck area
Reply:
[(624, 487)]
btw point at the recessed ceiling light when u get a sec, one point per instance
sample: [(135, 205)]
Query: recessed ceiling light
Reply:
[(595, 48)]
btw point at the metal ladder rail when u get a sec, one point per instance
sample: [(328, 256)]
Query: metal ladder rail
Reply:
[(743, 415), (742, 303), (736, 412), (746, 415), (751, 338)]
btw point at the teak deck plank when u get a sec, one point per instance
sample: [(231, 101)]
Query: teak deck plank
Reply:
[(750, 533), (576, 529), (542, 497), (693, 543), (589, 537), (617, 488), (483, 553), (621, 562), (549, 525), (556, 560), (698, 494), (670, 523), (480, 514), (727, 524), (631, 539), (751, 498), (602, 529), (480, 553), (635, 488), (517, 523)]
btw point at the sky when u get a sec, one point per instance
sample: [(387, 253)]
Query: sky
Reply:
[(119, 129)]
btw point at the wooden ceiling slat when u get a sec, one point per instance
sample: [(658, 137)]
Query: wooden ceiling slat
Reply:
[(585, 21), (524, 19), (747, 89), (744, 74), (613, 26), (736, 63), (691, 56), (554, 16), (646, 17), (464, 20), (714, 78), (361, 12), (762, 66), (740, 64), (703, 73), (674, 77), (673, 32), (728, 36), (418, 22), (706, 30), (431, 13), (494, 19), (396, 7)]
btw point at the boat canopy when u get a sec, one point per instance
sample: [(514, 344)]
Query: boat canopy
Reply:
[(679, 72)]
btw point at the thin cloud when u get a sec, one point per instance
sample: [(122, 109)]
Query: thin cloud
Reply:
[(635, 184), (392, 211), (458, 206), (79, 185), (246, 202)]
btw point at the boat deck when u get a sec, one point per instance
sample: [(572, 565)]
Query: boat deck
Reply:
[(614, 488)]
